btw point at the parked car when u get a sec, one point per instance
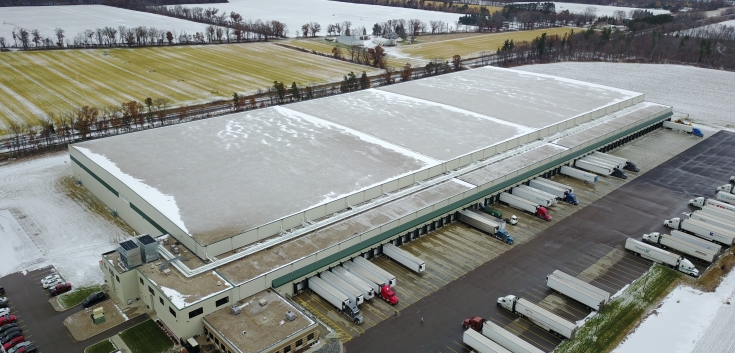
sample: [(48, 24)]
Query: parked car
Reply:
[(10, 336), (55, 278), (93, 299), (3, 302), (2, 290), (27, 349), (52, 283), (4, 311), (11, 332), (4, 320), (12, 343), (50, 277), (19, 346), (60, 288), (7, 327)]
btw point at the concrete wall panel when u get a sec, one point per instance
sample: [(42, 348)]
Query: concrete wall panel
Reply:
[(372, 193), (336, 206), (316, 212), (269, 230)]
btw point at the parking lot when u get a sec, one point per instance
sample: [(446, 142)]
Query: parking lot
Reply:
[(41, 324), (585, 241)]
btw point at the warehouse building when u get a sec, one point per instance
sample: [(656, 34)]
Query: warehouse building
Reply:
[(264, 199)]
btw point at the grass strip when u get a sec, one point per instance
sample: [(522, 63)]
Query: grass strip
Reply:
[(146, 337), (72, 299), (101, 347)]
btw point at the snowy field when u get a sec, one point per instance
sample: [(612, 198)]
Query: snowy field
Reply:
[(601, 10), (705, 94), (730, 23), (76, 19), (298, 12), (40, 225), (688, 320)]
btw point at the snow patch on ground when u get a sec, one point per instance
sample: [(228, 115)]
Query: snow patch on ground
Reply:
[(43, 226), (681, 319), (601, 10), (163, 203)]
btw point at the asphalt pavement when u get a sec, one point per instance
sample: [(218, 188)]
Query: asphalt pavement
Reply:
[(571, 244)]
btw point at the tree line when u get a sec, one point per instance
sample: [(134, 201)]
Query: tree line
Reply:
[(128, 4)]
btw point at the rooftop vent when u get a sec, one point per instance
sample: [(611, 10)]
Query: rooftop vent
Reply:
[(236, 310), (262, 302), (290, 316)]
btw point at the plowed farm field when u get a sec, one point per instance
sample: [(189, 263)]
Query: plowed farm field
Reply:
[(35, 84)]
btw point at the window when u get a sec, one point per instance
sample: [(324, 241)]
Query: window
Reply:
[(299, 342), (160, 299), (150, 290), (222, 301), (117, 278), (286, 349), (216, 340), (111, 274), (195, 313), (222, 346), (310, 336), (172, 311), (141, 280)]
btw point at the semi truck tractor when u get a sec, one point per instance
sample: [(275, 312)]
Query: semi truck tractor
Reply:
[(704, 243), (542, 198), (702, 230), (404, 258), (380, 286), (666, 241), (701, 202), (539, 316), (579, 174), (336, 298), (661, 256), (485, 224), (713, 219), (719, 213), (627, 165), (347, 289), (506, 339), (581, 291), (367, 291), (481, 344), (726, 188), (361, 261), (685, 128), (725, 197), (525, 205), (560, 193), (600, 169)]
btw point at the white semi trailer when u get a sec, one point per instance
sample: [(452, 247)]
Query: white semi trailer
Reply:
[(725, 197), (628, 165), (681, 127), (719, 212), (666, 241), (703, 243), (481, 344), (361, 261), (485, 223), (336, 298), (404, 258), (539, 194), (559, 192), (606, 162), (506, 339), (380, 285), (347, 289), (579, 174), (539, 316), (713, 219), (525, 205), (701, 202), (600, 168), (367, 291), (702, 230), (581, 291), (661, 256)]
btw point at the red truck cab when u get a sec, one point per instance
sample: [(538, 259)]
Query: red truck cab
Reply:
[(474, 323), (543, 213), (389, 295)]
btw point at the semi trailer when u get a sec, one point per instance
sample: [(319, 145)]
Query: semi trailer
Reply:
[(380, 286), (581, 291), (725, 197), (704, 243), (506, 339), (702, 230), (627, 165), (713, 219), (481, 344), (525, 205), (361, 261), (485, 224), (539, 316), (367, 290), (347, 289), (681, 127), (578, 174), (535, 195), (605, 162), (600, 169), (560, 193), (336, 298), (701, 202), (404, 258), (719, 212), (666, 241), (661, 256)]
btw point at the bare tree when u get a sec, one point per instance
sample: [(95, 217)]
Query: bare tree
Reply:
[(314, 28), (59, 36), (589, 13)]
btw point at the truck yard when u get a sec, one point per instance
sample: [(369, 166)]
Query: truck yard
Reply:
[(587, 244)]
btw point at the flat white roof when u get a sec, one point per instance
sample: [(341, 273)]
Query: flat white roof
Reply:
[(220, 177)]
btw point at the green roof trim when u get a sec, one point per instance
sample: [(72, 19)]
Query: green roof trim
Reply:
[(285, 279), (112, 190), (145, 216)]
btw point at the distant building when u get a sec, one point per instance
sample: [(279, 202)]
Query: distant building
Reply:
[(348, 40), (384, 42)]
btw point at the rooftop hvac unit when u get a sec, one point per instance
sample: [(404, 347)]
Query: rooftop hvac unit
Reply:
[(262, 302), (236, 310), (148, 248), (290, 316), (129, 254)]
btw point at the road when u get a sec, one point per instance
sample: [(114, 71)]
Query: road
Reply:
[(43, 325), (572, 245)]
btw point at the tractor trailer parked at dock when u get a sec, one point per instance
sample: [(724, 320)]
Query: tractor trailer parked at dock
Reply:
[(627, 165), (534, 195), (336, 298), (666, 241), (539, 316), (713, 219), (367, 291), (702, 230), (404, 258), (561, 193), (701, 202), (380, 286), (525, 205), (351, 292), (481, 344), (486, 224), (661, 256), (579, 174)]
